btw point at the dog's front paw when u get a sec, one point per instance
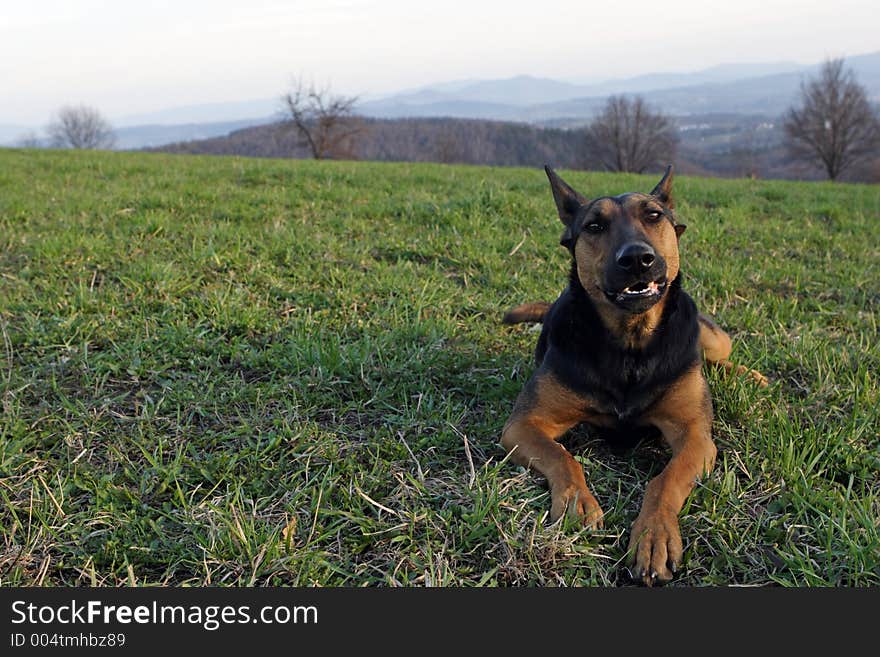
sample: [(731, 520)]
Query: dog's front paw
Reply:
[(655, 547), (578, 502)]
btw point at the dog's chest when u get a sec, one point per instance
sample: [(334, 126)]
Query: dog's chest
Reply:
[(617, 390), (622, 397), (618, 384)]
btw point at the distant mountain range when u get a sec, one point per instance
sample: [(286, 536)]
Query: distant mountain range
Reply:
[(757, 89), (155, 134), (206, 113), (765, 89)]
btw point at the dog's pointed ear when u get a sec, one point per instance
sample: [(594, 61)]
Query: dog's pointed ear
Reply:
[(663, 191), (568, 202), (679, 229)]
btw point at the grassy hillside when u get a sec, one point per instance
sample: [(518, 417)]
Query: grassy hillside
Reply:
[(235, 371)]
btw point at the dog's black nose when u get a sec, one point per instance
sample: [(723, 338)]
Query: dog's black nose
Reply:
[(635, 257)]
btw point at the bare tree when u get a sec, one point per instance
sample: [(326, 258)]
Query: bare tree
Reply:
[(80, 127), (628, 136), (326, 122), (835, 125)]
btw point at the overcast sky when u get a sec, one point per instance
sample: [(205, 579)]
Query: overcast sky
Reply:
[(128, 57)]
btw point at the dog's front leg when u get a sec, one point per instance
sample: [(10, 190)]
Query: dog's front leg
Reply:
[(684, 416), (543, 412)]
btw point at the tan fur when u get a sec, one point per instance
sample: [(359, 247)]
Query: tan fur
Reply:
[(527, 312), (684, 417), (545, 409), (591, 256), (716, 346)]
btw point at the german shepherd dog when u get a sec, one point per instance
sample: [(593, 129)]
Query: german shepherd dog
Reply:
[(620, 349)]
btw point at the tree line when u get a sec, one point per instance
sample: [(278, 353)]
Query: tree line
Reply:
[(448, 141), (832, 127)]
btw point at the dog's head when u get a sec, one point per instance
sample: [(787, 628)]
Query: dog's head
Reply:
[(625, 247)]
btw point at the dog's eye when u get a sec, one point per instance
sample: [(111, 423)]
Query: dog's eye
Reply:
[(594, 227), (653, 215)]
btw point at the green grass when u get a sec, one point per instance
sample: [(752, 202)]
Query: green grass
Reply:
[(231, 371)]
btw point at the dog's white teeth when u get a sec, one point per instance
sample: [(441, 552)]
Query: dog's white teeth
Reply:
[(649, 288)]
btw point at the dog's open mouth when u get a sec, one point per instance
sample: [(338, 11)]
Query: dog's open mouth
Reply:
[(639, 290)]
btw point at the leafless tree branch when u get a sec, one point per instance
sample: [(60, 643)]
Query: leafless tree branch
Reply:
[(629, 136), (325, 122), (80, 127), (834, 125)]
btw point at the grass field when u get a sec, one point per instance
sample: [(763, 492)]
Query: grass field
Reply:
[(242, 372)]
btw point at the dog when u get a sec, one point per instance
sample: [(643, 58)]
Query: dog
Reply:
[(620, 349)]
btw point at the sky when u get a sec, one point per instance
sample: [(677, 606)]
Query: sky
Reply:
[(126, 57)]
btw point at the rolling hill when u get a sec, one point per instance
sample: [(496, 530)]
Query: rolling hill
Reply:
[(221, 371)]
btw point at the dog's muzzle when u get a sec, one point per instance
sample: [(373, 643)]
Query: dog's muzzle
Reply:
[(636, 277)]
